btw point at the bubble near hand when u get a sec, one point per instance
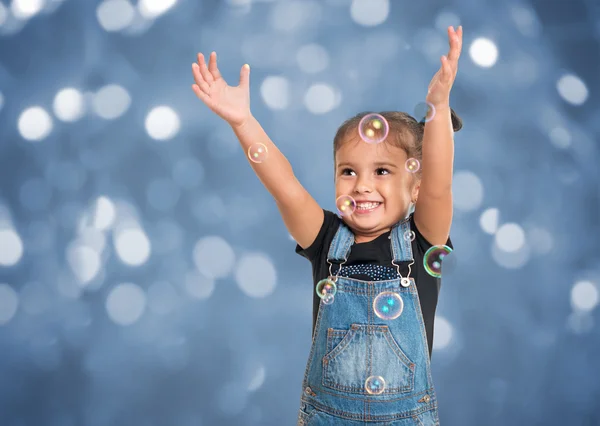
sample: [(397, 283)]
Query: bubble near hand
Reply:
[(388, 305), (375, 385), (257, 153), (424, 112), (345, 205), (412, 165), (325, 287), (433, 259), (373, 128)]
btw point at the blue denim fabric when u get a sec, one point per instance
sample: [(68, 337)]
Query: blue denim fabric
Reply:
[(351, 343)]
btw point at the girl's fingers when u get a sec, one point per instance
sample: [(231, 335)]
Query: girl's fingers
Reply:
[(206, 75), (459, 41), (199, 79), (454, 40), (212, 66), (447, 73), (202, 96), (245, 76)]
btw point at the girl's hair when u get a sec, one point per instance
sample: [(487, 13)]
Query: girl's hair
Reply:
[(404, 131)]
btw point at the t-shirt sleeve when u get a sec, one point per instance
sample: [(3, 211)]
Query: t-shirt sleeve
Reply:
[(326, 233), (421, 240)]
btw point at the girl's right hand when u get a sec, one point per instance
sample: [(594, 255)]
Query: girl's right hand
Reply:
[(230, 103)]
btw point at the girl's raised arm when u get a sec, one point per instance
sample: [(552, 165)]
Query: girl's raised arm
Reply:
[(433, 212), (301, 214)]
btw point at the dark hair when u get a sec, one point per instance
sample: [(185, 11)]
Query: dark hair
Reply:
[(401, 127)]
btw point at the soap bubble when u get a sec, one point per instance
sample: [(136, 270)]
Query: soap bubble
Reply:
[(424, 112), (373, 128), (345, 205), (388, 305), (433, 259), (412, 165), (375, 385), (257, 153), (328, 299), (326, 287), (409, 235)]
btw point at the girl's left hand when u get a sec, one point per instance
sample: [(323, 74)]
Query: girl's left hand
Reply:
[(438, 92)]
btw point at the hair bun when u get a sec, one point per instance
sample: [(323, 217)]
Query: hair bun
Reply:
[(456, 121)]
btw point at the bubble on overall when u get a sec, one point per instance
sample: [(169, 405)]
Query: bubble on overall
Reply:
[(388, 305), (412, 165), (373, 128), (345, 205), (257, 153), (328, 299), (375, 385), (409, 235), (433, 259), (424, 112), (325, 288)]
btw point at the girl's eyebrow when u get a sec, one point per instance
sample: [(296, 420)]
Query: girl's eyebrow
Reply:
[(376, 164)]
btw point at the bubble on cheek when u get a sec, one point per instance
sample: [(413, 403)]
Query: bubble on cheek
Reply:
[(345, 205), (412, 165), (373, 128), (432, 261), (424, 112), (257, 153)]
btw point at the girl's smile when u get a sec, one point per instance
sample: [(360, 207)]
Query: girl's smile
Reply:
[(366, 207)]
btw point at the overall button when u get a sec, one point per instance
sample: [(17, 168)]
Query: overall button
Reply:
[(426, 399), (309, 391)]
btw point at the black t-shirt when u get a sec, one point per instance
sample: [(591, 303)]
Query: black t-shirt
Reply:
[(379, 252)]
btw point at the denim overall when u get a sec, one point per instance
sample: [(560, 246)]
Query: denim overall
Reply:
[(351, 343)]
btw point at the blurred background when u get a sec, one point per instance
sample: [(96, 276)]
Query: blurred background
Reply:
[(146, 277)]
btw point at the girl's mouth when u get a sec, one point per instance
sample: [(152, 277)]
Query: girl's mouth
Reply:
[(366, 208)]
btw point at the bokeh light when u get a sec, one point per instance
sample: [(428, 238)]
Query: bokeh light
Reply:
[(141, 259)]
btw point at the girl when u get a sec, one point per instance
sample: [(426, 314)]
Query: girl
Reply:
[(375, 302)]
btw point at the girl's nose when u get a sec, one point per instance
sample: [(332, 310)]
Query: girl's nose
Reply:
[(362, 188)]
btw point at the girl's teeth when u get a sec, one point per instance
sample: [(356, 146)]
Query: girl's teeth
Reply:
[(367, 206)]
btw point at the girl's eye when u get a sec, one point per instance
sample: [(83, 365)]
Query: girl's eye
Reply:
[(346, 172), (383, 170)]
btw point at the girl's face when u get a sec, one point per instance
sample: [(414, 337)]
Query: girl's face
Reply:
[(376, 177)]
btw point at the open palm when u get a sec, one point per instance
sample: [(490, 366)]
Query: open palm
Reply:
[(439, 89), (230, 103)]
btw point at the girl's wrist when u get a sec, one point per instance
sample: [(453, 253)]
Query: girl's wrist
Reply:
[(439, 105), (242, 124)]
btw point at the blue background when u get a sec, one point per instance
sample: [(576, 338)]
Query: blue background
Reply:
[(203, 315)]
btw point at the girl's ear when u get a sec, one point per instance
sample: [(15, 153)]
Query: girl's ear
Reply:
[(415, 192)]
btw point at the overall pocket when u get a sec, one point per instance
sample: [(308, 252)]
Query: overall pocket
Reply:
[(363, 351), (428, 418), (306, 414)]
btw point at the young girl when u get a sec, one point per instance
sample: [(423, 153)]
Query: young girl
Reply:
[(376, 296)]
